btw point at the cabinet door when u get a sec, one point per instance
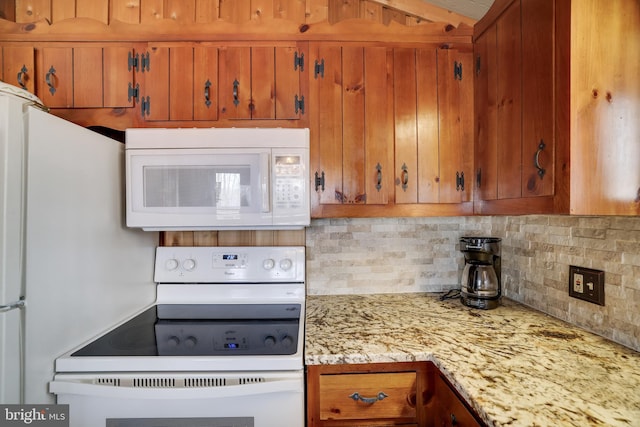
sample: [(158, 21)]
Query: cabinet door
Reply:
[(181, 83), (262, 83), (352, 189), (288, 69), (486, 134), (87, 77), (235, 82), (154, 71), (118, 77), (428, 118), (205, 83), (55, 77), (415, 79), (455, 112), (446, 408), (538, 142), (509, 122), (18, 67), (406, 124), (378, 119), (325, 89)]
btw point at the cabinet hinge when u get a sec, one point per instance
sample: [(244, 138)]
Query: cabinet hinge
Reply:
[(145, 106), (478, 61), (298, 61), (459, 181), (318, 68), (133, 61), (457, 70), (134, 92), (145, 61), (319, 181), (299, 104), (479, 178)]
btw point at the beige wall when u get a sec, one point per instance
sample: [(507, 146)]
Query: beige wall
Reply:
[(421, 255)]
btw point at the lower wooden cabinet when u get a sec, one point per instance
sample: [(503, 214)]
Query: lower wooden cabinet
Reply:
[(383, 394), (445, 408)]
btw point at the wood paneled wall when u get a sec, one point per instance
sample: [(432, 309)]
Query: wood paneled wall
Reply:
[(233, 238), (202, 11)]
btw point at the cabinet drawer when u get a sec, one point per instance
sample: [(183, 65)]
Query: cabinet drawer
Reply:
[(359, 396)]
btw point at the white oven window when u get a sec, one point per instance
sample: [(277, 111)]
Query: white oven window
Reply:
[(197, 187)]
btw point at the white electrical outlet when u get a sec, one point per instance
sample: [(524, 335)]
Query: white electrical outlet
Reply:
[(578, 283)]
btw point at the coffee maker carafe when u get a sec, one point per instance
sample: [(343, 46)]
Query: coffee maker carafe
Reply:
[(480, 285)]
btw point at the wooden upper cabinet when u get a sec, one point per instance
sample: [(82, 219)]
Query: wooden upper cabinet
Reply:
[(378, 121), (433, 125), (261, 82), (85, 77), (603, 104), (179, 83), (555, 132), (455, 137), (55, 77), (18, 67), (392, 130), (352, 92), (514, 105)]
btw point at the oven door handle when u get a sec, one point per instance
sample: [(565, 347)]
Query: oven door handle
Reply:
[(60, 386)]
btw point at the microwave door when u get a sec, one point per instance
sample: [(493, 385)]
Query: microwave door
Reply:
[(265, 182), (199, 189)]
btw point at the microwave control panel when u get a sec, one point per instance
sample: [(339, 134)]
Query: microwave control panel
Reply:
[(289, 182)]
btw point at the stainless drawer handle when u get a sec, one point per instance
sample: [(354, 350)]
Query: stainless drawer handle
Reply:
[(356, 396)]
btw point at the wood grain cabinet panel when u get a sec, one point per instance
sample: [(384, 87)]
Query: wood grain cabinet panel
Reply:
[(379, 394), (55, 77), (384, 394), (261, 82), (445, 408), (367, 396), (547, 139), (18, 67)]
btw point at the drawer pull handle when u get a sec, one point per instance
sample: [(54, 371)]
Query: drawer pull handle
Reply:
[(356, 396)]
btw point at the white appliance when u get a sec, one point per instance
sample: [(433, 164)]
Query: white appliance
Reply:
[(69, 267), (222, 346), (217, 179)]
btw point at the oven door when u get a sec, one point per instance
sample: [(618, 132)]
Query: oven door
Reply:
[(249, 399)]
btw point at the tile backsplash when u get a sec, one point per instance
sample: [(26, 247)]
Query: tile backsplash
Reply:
[(377, 255)]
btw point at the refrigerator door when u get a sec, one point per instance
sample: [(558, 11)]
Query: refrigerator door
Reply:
[(12, 183), (84, 270)]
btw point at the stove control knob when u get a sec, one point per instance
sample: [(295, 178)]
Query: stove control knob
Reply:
[(171, 264), (287, 341), (189, 264), (286, 264), (268, 264), (270, 341), (173, 341), (191, 342)]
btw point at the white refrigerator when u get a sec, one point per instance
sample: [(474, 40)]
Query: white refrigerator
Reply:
[(69, 268)]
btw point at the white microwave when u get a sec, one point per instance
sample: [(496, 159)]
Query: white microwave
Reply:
[(217, 179)]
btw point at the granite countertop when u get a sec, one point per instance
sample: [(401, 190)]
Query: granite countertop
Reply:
[(515, 366)]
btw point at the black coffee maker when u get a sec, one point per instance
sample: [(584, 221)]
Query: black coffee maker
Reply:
[(480, 283)]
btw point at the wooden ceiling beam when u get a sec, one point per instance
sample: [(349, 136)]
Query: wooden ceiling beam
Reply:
[(426, 11)]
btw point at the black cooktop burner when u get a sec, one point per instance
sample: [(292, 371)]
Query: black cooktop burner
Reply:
[(203, 329)]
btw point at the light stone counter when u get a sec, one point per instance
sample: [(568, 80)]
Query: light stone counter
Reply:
[(515, 366)]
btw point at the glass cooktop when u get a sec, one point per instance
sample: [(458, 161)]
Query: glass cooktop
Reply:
[(203, 330)]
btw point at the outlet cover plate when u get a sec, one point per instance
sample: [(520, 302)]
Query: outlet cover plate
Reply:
[(586, 284)]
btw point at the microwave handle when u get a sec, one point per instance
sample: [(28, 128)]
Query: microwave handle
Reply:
[(265, 182)]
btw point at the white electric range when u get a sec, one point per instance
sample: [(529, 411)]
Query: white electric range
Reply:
[(221, 347)]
